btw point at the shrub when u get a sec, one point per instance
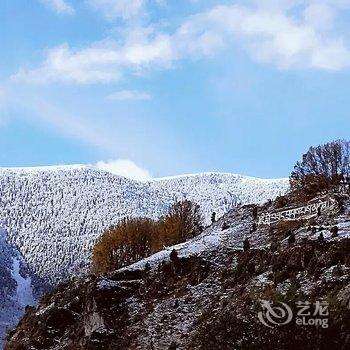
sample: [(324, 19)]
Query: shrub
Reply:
[(182, 222), (129, 241), (284, 229), (246, 245), (281, 201), (173, 256), (255, 212), (134, 239), (334, 231), (291, 238), (320, 237), (225, 226)]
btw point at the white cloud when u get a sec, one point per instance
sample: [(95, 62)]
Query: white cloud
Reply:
[(113, 9), (130, 95), (276, 37), (126, 168), (60, 6), (95, 64), (287, 33), (268, 32), (102, 62), (319, 16)]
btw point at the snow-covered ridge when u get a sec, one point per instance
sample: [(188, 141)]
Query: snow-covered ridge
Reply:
[(210, 173), (48, 168), (235, 188), (55, 214)]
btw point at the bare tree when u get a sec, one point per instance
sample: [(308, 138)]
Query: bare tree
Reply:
[(129, 241), (183, 221), (322, 168)]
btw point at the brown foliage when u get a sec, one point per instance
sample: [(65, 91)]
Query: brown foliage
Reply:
[(134, 239), (182, 223), (281, 201), (284, 229), (129, 241)]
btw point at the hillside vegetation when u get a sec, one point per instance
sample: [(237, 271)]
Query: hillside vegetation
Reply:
[(134, 239), (206, 292), (322, 169), (55, 215), (209, 291)]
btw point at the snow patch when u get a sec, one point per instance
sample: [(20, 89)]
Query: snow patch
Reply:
[(24, 290)]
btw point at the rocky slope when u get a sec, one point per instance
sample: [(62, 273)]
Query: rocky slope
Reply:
[(54, 214), (206, 293)]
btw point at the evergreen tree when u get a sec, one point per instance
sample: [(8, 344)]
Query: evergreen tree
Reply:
[(291, 238), (334, 231), (246, 244), (173, 256), (225, 226)]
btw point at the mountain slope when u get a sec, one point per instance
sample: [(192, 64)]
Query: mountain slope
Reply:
[(220, 192), (55, 214), (207, 295), (16, 287)]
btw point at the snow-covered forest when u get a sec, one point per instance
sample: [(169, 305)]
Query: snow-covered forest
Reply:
[(54, 215)]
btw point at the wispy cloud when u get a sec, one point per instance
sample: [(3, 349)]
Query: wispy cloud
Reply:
[(60, 6), (102, 62), (114, 9), (77, 127), (108, 61), (267, 31), (126, 168), (4, 100), (95, 64), (2, 94), (130, 95), (275, 36)]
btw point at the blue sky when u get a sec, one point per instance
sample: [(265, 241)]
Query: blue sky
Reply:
[(172, 87)]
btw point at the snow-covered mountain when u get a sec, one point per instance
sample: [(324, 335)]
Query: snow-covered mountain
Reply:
[(212, 292), (220, 192), (55, 214)]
